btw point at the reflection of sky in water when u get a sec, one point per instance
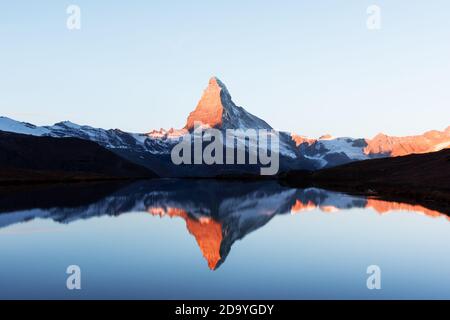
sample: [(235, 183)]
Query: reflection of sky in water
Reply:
[(312, 254)]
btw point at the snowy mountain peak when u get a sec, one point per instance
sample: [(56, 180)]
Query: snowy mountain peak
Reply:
[(67, 124), (216, 109), (10, 125)]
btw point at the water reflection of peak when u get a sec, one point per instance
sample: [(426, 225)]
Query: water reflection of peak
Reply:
[(217, 213)]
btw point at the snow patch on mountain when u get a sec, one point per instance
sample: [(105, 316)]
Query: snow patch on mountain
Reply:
[(328, 151)]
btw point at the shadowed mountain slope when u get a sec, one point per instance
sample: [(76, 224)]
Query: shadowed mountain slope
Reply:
[(29, 158)]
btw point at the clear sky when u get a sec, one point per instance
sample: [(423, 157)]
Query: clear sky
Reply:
[(311, 67)]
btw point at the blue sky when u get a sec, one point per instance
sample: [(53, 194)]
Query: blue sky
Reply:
[(311, 67)]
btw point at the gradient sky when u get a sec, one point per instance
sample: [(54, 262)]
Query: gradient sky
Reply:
[(311, 67)]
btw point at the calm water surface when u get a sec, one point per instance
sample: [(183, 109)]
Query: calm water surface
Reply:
[(205, 239)]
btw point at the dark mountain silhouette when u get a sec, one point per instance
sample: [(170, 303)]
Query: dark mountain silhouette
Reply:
[(26, 158), (416, 177)]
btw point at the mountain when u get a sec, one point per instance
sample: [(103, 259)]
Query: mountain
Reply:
[(137, 148), (25, 158), (216, 109), (153, 150), (400, 146), (415, 177), (329, 152)]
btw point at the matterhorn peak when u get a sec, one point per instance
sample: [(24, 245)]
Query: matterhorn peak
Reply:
[(216, 110), (209, 110), (214, 81)]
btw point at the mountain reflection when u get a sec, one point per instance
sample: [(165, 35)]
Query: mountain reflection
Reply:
[(217, 213)]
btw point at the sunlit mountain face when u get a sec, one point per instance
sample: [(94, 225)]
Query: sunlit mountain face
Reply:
[(216, 213)]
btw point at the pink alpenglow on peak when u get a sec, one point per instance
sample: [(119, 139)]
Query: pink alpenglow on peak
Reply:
[(217, 110), (399, 146), (326, 137), (167, 134), (298, 139), (328, 151), (209, 109)]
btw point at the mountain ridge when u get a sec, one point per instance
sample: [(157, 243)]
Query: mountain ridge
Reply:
[(216, 109), (27, 158)]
